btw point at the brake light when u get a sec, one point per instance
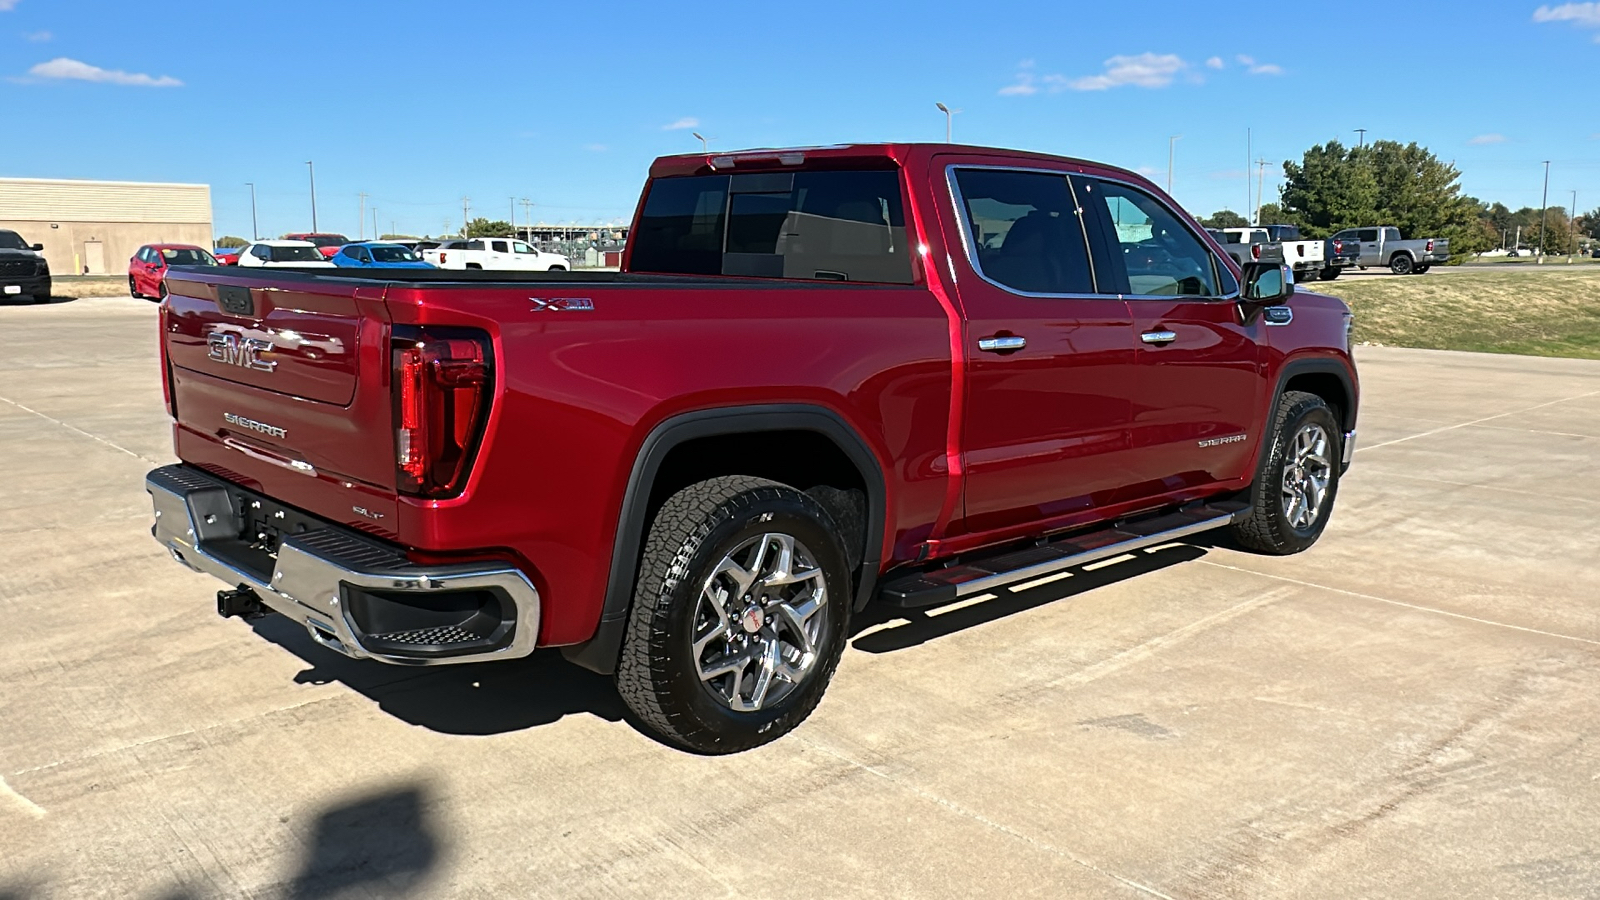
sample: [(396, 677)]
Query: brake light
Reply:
[(1255, 251), (1338, 246), (1430, 245), (443, 257), (444, 380)]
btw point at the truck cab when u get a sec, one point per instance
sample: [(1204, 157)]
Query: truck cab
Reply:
[(495, 254)]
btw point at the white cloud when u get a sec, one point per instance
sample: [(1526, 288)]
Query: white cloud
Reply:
[(1022, 87), (8, 5), (1149, 171), (65, 69), (596, 148), (38, 37), (1147, 70), (1255, 68), (1215, 62), (685, 122), (1580, 14), (1483, 139)]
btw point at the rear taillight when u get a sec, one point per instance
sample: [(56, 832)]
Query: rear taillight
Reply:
[(443, 257), (1255, 251), (1430, 245), (444, 380), (1338, 246)]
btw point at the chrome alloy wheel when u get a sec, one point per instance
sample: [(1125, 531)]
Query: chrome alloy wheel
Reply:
[(1307, 472), (758, 621)]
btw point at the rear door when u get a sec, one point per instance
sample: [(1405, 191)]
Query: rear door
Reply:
[(1049, 362), (1200, 378)]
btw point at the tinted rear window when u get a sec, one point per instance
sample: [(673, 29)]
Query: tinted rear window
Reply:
[(830, 226)]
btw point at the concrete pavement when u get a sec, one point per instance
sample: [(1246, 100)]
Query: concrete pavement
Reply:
[(1412, 708)]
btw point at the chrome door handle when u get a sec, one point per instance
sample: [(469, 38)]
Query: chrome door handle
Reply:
[(1159, 337), (1004, 344)]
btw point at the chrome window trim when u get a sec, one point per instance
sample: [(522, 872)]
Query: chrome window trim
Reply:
[(968, 242)]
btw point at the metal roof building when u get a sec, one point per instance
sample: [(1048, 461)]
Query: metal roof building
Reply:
[(95, 226)]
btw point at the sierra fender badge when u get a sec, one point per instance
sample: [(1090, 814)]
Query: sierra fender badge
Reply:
[(562, 304), (1217, 442), (231, 350)]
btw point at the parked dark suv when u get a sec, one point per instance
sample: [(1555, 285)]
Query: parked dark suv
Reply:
[(23, 272)]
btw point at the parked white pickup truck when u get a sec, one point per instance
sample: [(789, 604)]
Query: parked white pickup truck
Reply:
[(504, 254), (1304, 256)]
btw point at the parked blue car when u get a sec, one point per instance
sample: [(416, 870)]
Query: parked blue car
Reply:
[(378, 255)]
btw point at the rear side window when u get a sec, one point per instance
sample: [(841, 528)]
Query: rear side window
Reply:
[(829, 226), (1367, 234), (500, 246), (1025, 231)]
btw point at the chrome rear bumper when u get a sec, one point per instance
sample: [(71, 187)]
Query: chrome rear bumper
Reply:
[(314, 571)]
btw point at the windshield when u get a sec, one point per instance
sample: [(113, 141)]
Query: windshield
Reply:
[(10, 240), (294, 254), (328, 240), (394, 254), (186, 257)]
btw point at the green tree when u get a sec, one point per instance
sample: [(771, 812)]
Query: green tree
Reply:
[(1558, 232), (1275, 214), (1384, 183), (1225, 218), (230, 241), (398, 237), (481, 227), (1589, 223)]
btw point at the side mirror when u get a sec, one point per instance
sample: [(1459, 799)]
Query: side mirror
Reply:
[(1266, 284), (37, 248)]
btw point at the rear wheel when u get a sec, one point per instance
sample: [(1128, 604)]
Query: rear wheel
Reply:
[(1400, 264), (557, 269), (1330, 273), (1298, 479), (163, 295), (474, 266), (739, 615)]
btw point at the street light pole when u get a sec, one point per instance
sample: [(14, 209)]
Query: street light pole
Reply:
[(311, 170), (255, 230), (1363, 133), (1572, 225), (705, 147), (1544, 210), (949, 117), (1171, 140)]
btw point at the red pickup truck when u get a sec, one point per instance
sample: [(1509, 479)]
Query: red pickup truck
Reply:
[(826, 377)]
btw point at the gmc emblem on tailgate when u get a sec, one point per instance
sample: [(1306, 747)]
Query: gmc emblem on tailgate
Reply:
[(230, 350)]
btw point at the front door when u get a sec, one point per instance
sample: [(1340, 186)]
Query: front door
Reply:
[(1200, 385), (1049, 363)]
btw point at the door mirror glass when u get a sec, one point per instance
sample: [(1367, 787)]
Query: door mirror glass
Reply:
[(1267, 284)]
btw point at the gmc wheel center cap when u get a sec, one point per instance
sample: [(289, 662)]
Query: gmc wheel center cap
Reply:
[(752, 619)]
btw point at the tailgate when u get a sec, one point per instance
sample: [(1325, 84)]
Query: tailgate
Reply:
[(282, 384)]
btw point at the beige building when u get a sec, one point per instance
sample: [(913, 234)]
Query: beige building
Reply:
[(98, 225)]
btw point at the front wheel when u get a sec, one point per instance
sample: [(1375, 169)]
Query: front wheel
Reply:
[(1400, 264), (1298, 478), (739, 615), (133, 289)]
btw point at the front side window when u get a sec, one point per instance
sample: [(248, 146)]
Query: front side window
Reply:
[(499, 246), (1025, 231), (520, 247), (187, 257), (1161, 257), (822, 225)]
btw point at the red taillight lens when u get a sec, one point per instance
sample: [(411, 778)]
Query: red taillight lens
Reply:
[(1338, 246), (1430, 245), (1255, 251), (444, 380), (443, 257)]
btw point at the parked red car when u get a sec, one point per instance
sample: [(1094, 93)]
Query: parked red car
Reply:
[(147, 270), (327, 243), (903, 374), (228, 256)]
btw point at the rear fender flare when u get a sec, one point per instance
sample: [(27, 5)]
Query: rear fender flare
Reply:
[(600, 652)]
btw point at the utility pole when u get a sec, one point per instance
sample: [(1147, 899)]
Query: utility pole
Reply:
[(1261, 181), (1544, 210), (513, 216), (527, 216), (375, 235), (466, 204), (312, 171), (255, 230), (1171, 140), (1572, 226), (949, 115), (361, 220), (1363, 133)]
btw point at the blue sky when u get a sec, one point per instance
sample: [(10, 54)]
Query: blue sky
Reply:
[(420, 104)]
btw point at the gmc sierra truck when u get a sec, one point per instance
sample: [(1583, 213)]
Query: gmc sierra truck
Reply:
[(901, 374)]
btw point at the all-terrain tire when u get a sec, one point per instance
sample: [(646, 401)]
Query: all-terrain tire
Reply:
[(1268, 528), (1401, 264), (1331, 273), (658, 675)]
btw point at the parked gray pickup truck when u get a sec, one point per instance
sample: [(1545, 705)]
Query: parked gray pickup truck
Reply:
[(1383, 246)]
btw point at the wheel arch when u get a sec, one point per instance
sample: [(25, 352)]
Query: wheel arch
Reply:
[(668, 452), (1328, 378)]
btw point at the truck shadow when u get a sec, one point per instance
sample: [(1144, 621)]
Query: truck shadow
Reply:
[(884, 629), (467, 699)]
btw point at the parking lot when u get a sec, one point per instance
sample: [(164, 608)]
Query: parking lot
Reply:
[(1411, 709)]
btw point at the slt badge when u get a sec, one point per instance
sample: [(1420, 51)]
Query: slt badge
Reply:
[(229, 350)]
